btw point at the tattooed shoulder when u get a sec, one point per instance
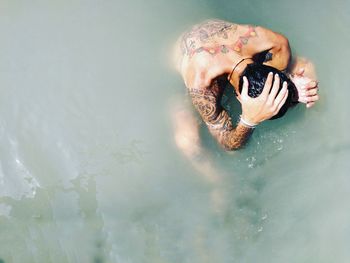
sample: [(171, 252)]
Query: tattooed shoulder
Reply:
[(210, 37), (193, 40)]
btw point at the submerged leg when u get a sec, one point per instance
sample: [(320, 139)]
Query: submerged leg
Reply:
[(186, 127)]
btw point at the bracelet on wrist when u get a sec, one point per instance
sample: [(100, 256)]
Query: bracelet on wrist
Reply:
[(247, 123)]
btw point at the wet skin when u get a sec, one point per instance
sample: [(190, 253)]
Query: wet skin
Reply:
[(207, 53)]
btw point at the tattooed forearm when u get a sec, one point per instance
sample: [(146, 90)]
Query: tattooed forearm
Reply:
[(229, 137), (236, 138), (218, 120)]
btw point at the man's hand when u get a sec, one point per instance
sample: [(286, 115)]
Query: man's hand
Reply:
[(307, 88), (267, 104), (303, 74)]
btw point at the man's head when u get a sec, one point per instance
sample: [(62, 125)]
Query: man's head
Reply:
[(257, 75)]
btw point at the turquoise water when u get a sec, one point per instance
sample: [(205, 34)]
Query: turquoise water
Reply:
[(89, 171)]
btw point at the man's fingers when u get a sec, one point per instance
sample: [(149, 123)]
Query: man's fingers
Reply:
[(310, 104), (311, 92), (281, 103), (275, 89), (281, 94), (312, 84), (313, 98), (267, 86), (309, 99), (308, 93), (245, 86)]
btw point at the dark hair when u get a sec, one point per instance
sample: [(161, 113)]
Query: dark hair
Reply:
[(257, 74)]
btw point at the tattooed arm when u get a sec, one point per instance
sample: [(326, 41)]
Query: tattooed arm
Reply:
[(254, 110), (206, 101)]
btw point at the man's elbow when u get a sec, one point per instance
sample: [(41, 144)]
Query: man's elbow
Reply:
[(231, 146)]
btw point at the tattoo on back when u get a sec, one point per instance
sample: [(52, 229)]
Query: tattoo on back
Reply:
[(195, 39), (243, 40), (198, 39)]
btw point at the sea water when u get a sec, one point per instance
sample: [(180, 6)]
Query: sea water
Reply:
[(89, 171)]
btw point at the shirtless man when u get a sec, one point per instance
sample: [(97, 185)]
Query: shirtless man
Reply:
[(216, 52)]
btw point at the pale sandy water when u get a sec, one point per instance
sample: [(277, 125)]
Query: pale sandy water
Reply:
[(89, 171)]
